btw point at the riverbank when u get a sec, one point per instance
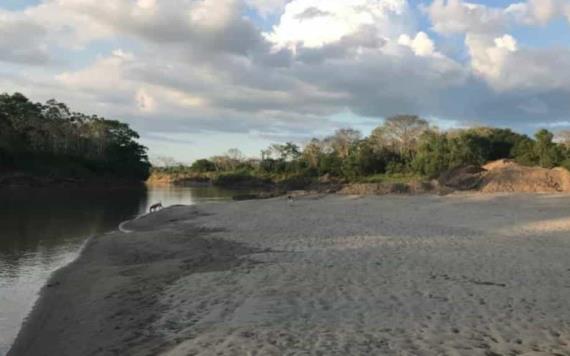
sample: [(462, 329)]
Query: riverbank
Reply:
[(107, 300), (466, 274)]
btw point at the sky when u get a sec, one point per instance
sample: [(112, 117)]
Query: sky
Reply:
[(198, 77)]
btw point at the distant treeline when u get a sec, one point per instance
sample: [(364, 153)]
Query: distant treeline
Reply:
[(50, 140), (403, 146)]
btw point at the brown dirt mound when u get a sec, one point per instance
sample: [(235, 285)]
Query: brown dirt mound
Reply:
[(462, 178), (500, 164), (519, 179), (506, 176)]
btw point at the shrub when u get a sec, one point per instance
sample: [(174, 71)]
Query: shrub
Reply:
[(238, 179), (203, 165)]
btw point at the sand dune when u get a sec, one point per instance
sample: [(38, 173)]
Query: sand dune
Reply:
[(424, 275)]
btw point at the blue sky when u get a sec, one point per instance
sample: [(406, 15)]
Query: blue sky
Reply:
[(18, 4), (197, 77)]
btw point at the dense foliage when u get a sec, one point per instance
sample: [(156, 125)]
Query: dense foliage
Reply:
[(49, 139), (403, 146)]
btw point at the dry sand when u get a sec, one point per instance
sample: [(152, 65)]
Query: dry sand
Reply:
[(393, 275)]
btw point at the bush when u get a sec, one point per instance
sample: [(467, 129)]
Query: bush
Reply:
[(566, 164), (396, 167), (203, 165), (296, 182), (240, 179)]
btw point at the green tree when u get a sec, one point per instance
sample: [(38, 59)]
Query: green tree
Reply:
[(548, 153), (330, 163), (50, 139), (433, 154), (203, 165), (363, 160), (502, 143), (468, 148)]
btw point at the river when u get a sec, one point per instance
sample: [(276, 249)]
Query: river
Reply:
[(42, 230)]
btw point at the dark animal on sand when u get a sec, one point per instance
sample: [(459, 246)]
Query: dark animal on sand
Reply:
[(155, 207)]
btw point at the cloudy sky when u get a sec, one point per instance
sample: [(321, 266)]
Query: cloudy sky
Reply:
[(197, 77)]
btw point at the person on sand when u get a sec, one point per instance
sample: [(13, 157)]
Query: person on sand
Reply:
[(291, 200)]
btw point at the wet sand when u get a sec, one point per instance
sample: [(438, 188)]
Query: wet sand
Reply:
[(424, 275)]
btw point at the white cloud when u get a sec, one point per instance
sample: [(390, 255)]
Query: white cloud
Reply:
[(422, 45), (489, 56), (212, 14), (106, 74), (497, 58), (508, 68), (315, 23), (506, 42), (539, 12), (21, 40), (146, 4), (65, 26), (457, 16)]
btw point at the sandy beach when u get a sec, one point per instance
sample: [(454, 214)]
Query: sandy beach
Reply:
[(464, 274)]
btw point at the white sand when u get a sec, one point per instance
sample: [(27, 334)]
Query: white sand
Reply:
[(427, 275), (410, 275)]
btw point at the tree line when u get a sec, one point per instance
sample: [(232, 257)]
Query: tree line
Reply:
[(402, 145), (50, 139)]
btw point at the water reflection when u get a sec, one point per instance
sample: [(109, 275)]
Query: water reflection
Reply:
[(173, 195), (42, 230)]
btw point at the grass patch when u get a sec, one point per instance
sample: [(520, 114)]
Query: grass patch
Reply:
[(391, 178), (239, 179)]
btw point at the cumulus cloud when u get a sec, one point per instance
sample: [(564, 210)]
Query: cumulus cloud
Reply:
[(261, 80), (539, 12), (495, 55), (457, 16), (315, 23), (489, 56), (422, 45), (21, 40)]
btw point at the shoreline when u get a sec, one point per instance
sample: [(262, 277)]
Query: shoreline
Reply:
[(473, 273), (79, 310)]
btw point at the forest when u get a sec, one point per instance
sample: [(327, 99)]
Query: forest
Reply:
[(49, 140), (402, 147)]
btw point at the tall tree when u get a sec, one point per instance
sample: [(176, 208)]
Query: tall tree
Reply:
[(312, 153), (547, 151), (343, 139), (399, 133), (50, 135)]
